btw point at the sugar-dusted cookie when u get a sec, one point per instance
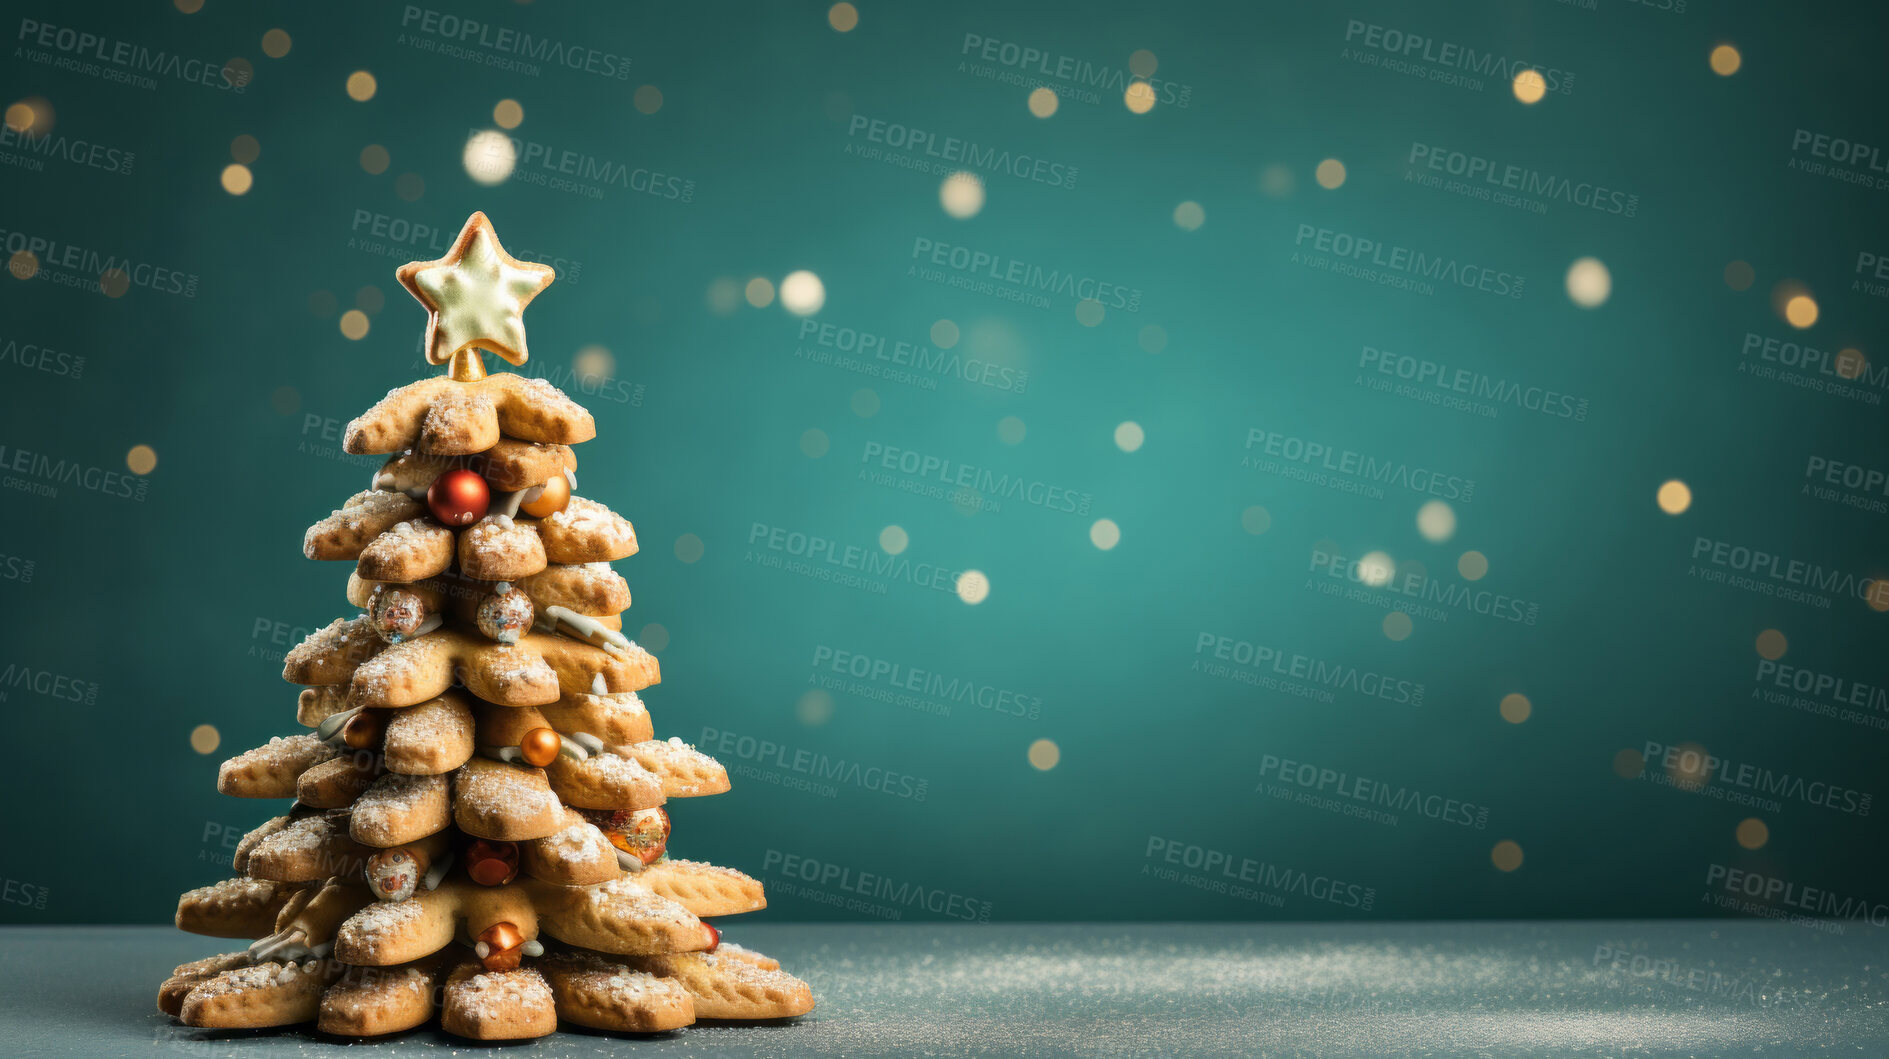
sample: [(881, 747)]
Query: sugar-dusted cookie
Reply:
[(260, 995), (704, 889), (233, 908), (336, 782), (394, 932), (187, 976), (350, 528), (619, 916), (586, 588), (505, 803), (528, 673), (586, 532), (433, 737), (401, 808), (578, 855), (508, 466), (272, 769), (683, 771), (442, 416), (496, 1005), (315, 705), (308, 849), (499, 548), (615, 719), (594, 778), (240, 861), (374, 1001), (409, 551), (608, 995), (731, 986), (331, 654)]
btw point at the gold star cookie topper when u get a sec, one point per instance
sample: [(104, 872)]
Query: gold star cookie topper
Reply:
[(475, 299)]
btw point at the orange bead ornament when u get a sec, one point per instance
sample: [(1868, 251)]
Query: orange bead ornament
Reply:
[(540, 746), (491, 863), (501, 946), (555, 498)]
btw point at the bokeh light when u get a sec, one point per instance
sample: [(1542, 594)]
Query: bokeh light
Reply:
[(204, 739), (973, 587), (489, 157), (1515, 707), (1506, 856), (802, 293), (1726, 60), (1436, 520), (508, 113), (1044, 755), (962, 195), (1674, 497), (1139, 98), (894, 540), (1043, 101), (237, 179), (1589, 283), (362, 86), (1330, 174), (689, 548), (1529, 86), (1129, 436), (142, 459), (1105, 534), (843, 17), (1189, 215)]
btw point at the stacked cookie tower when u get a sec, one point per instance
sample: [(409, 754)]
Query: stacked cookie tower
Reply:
[(478, 830)]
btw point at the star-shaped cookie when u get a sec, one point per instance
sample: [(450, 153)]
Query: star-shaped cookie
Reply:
[(476, 295)]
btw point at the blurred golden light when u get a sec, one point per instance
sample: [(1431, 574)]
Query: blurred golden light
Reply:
[(31, 116), (814, 443), (1129, 436), (973, 587), (1687, 767), (410, 186), (237, 179), (1375, 569), (1752, 833), (188, 7), (843, 17), (1139, 99), (1530, 86), (1739, 275), (1674, 497), (1398, 626), (239, 71), (1473, 565), (1105, 534), (1726, 61), (204, 739), (1044, 101), (894, 539), (594, 364), (1506, 856), (508, 113), (1010, 430), (1189, 216), (489, 157), (865, 402), (142, 459), (1877, 598), (689, 548), (114, 282), (1515, 707), (815, 707), (362, 86), (1256, 520), (1850, 363), (354, 324), (647, 100), (245, 148), (760, 292), (1589, 283), (962, 195), (1801, 311), (802, 293), (276, 43), (1153, 338), (723, 296), (375, 159), (24, 264), (1436, 520), (1330, 174), (944, 334), (1772, 645), (654, 636), (1275, 180), (1629, 764), (1142, 63), (1089, 312), (1044, 755)]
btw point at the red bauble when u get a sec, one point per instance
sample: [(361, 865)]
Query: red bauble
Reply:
[(459, 498), (714, 932)]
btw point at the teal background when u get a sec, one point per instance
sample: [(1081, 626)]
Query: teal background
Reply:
[(174, 609)]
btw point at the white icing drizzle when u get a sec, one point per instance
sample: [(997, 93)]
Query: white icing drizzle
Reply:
[(597, 686), (285, 945), (587, 741), (438, 871), (508, 503), (630, 862), (582, 627), (329, 729)]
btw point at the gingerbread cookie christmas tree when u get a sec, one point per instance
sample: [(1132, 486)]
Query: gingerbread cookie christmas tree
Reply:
[(479, 831)]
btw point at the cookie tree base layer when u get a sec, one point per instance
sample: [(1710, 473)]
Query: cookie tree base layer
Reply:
[(1510, 989)]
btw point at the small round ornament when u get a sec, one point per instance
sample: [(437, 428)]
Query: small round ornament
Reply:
[(396, 613), (492, 863), (393, 874), (459, 497), (540, 746), (505, 614), (715, 933), (555, 497), (501, 946)]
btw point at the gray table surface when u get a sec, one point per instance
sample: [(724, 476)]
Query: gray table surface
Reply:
[(1640, 988)]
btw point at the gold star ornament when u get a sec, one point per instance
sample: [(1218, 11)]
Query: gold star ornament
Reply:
[(475, 299)]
